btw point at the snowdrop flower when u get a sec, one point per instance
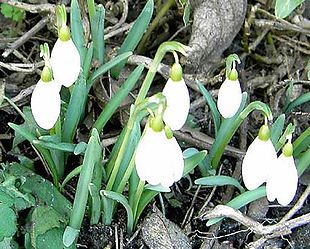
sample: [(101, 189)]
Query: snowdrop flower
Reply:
[(230, 95), (45, 100), (65, 58), (159, 159), (258, 160), (283, 178), (178, 101)]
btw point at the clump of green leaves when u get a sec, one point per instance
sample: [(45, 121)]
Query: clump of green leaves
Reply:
[(14, 13), (21, 190)]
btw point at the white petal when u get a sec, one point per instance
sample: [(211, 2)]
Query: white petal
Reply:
[(65, 61), (178, 103), (258, 160), (45, 104), (283, 180), (159, 160), (229, 98)]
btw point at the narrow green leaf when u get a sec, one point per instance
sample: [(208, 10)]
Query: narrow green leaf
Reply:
[(191, 162), (77, 28), (118, 97), (276, 129), (88, 60), (135, 34), (95, 204), (92, 156), (302, 142), (285, 7), (75, 110), (121, 199), (44, 152), (242, 200), (219, 181), (297, 102), (303, 162), (157, 188), (187, 12), (97, 31), (107, 66), (72, 174), (224, 135), (215, 113)]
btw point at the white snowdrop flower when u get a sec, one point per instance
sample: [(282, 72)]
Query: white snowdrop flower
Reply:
[(229, 96), (45, 104), (178, 101), (258, 160), (65, 61), (283, 178), (159, 160)]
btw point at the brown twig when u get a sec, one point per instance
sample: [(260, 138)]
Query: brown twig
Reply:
[(270, 231), (25, 37), (32, 8)]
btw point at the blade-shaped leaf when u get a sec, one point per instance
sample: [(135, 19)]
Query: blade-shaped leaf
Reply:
[(242, 200), (219, 181), (215, 113), (135, 34)]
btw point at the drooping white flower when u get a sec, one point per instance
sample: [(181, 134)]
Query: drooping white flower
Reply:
[(282, 180), (260, 157), (65, 61), (178, 101), (45, 104), (229, 98), (159, 160)]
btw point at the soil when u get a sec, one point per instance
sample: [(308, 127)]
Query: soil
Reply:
[(281, 55)]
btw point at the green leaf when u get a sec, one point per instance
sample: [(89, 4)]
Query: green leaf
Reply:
[(303, 162), (12, 12), (285, 7), (107, 66), (97, 32), (72, 174), (192, 161), (70, 235), (187, 12), (118, 97), (276, 129), (77, 28), (44, 152), (52, 239), (75, 110), (67, 147), (121, 199), (7, 222), (242, 200), (92, 156), (297, 102), (43, 218), (95, 204), (88, 60), (41, 189), (219, 181), (215, 113), (135, 34), (30, 126), (11, 195), (157, 188), (302, 142)]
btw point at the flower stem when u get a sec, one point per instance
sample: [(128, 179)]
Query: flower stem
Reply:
[(230, 126)]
